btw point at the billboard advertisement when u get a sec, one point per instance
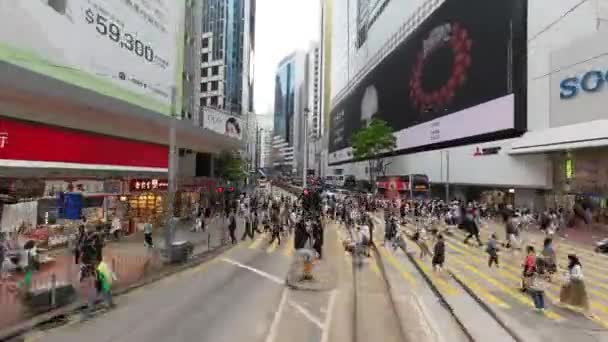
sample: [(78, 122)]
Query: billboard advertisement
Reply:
[(131, 50), (223, 123), (452, 79)]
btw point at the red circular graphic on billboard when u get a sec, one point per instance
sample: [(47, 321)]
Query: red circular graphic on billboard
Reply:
[(461, 44)]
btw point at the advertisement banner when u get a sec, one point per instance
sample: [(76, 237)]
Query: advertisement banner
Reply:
[(131, 50), (24, 141), (223, 123), (452, 79)]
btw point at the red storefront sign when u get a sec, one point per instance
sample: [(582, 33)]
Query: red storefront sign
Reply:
[(148, 184), (25, 141)]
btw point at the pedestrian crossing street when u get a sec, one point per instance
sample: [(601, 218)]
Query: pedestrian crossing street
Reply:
[(500, 287)]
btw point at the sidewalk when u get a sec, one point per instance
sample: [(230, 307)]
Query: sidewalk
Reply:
[(129, 259)]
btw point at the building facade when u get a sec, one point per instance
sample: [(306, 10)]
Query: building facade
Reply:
[(289, 112), (315, 118), (443, 128), (95, 117), (227, 43)]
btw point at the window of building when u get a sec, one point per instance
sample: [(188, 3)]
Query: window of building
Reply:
[(214, 85), (213, 101), (203, 101), (205, 42), (205, 72), (205, 57), (204, 86), (215, 70)]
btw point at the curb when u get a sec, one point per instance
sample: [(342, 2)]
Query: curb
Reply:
[(487, 308), (24, 327), (439, 295)]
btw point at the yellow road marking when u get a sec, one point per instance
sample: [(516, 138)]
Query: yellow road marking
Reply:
[(481, 292), (441, 284), (511, 292), (516, 278), (256, 243), (393, 261), (374, 266), (288, 251), (273, 247)]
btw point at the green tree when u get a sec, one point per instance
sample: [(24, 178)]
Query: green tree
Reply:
[(230, 166), (369, 143)]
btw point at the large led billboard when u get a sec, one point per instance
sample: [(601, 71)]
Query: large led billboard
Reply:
[(131, 50), (459, 76)]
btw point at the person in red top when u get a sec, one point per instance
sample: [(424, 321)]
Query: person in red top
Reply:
[(529, 267)]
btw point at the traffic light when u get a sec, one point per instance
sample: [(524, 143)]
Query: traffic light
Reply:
[(220, 189), (231, 189), (306, 192)]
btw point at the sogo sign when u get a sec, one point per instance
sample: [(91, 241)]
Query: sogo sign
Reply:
[(591, 82)]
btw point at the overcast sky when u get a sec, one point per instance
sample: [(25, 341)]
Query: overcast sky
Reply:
[(282, 26)]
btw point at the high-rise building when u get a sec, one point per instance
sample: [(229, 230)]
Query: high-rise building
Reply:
[(227, 45), (315, 119), (265, 148), (290, 103)]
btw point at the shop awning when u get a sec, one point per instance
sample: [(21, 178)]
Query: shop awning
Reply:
[(583, 135)]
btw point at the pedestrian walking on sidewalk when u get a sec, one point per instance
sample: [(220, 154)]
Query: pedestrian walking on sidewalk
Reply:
[(573, 290), (492, 250), (148, 234), (439, 254), (248, 227), (232, 227)]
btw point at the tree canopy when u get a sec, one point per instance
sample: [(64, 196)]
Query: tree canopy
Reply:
[(230, 166), (373, 140)]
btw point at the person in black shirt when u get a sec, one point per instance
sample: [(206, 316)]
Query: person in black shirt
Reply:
[(439, 254)]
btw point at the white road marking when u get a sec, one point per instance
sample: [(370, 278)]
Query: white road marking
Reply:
[(255, 270), (306, 314), (274, 327), (329, 316)]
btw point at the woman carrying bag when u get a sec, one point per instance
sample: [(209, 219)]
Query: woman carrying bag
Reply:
[(573, 291)]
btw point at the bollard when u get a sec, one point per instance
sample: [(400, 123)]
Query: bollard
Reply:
[(209, 241), (53, 289)]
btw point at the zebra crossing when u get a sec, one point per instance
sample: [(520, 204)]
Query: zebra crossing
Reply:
[(499, 288), (262, 242)]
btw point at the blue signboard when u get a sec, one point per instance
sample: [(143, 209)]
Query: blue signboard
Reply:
[(590, 82)]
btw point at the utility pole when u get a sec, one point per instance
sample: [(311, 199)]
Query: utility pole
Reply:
[(305, 168), (447, 177), (173, 164)]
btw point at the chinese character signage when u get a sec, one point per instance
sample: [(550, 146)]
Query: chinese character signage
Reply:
[(3, 139), (148, 184)]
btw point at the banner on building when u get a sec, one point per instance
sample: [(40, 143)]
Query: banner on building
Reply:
[(128, 49), (223, 123)]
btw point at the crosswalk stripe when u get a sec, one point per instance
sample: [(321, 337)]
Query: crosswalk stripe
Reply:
[(553, 295), (505, 289), (402, 271), (256, 243), (589, 280), (374, 266), (289, 249), (552, 291), (272, 247), (481, 291), (441, 284)]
